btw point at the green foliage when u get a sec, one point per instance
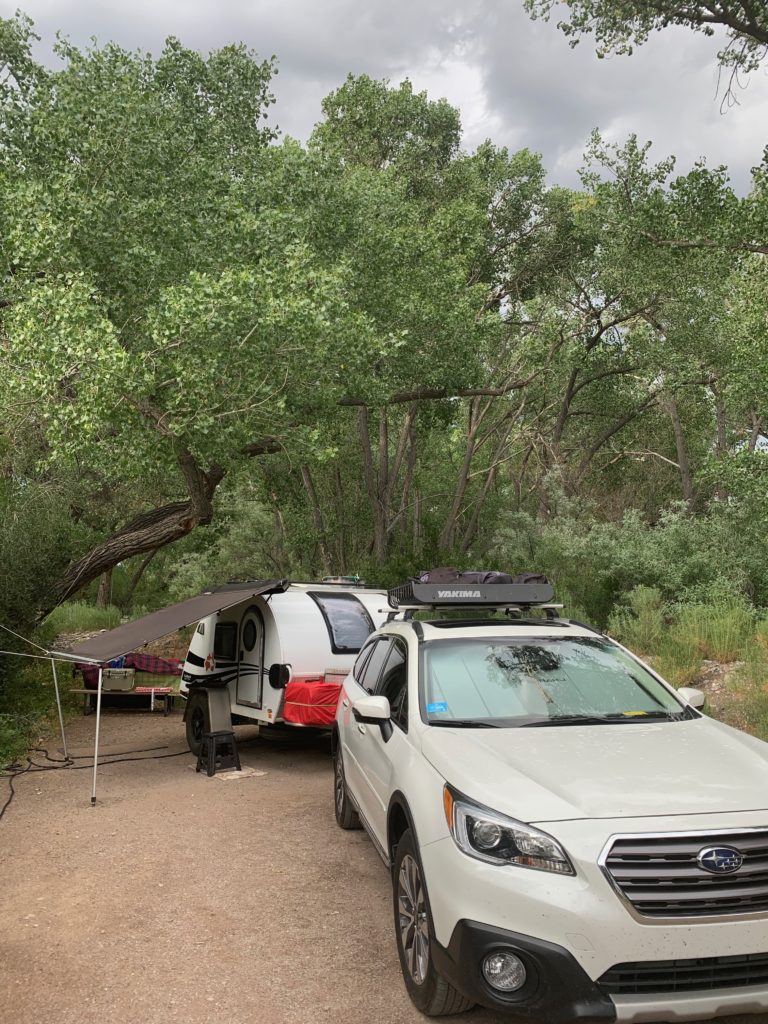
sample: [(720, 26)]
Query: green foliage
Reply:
[(679, 635), (28, 705), (37, 539), (619, 25), (638, 622), (79, 617)]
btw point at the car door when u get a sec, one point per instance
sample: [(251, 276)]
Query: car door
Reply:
[(249, 668), (383, 747), (361, 683)]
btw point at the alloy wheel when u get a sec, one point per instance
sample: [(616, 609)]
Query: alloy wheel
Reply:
[(412, 912), (339, 784)]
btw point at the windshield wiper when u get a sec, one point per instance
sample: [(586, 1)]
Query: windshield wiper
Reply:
[(464, 723), (573, 720), (601, 719)]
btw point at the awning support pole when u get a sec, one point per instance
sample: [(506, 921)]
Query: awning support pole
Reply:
[(96, 745), (58, 705)]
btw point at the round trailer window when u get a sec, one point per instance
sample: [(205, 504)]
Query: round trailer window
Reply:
[(249, 635)]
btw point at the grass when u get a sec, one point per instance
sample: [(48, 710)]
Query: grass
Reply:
[(79, 617), (679, 638), (28, 705), (27, 695)]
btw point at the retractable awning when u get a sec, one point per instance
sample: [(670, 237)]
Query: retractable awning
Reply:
[(130, 637), (115, 642)]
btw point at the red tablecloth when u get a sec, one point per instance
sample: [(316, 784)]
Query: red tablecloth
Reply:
[(311, 702)]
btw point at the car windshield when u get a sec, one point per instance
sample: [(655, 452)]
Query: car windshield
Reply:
[(540, 682)]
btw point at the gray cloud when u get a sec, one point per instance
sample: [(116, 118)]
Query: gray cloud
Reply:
[(514, 80)]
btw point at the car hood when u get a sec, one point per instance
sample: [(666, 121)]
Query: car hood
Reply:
[(604, 771)]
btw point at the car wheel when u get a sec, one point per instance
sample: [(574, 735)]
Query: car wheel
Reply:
[(197, 722), (346, 815), (428, 989)]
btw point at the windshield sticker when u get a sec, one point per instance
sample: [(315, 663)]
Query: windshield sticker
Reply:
[(437, 707)]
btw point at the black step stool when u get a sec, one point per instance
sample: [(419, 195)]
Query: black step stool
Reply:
[(218, 752)]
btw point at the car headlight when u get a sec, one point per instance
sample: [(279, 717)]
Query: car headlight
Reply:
[(494, 838)]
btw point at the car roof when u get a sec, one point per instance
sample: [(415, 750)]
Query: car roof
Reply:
[(444, 629)]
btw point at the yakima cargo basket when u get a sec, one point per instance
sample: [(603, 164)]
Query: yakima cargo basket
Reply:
[(498, 595)]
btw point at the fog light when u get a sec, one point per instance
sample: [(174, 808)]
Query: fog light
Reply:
[(504, 971)]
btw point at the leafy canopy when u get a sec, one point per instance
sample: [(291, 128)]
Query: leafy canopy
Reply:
[(619, 25)]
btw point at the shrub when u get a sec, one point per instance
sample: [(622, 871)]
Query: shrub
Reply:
[(80, 617), (721, 629), (639, 621)]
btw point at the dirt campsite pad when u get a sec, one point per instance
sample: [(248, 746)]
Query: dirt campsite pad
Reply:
[(180, 898)]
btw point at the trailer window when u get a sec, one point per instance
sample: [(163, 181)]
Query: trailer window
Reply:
[(347, 620), (225, 641)]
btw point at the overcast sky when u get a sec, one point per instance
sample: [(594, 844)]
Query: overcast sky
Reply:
[(514, 80)]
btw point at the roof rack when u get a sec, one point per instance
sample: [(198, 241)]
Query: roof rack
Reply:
[(418, 596)]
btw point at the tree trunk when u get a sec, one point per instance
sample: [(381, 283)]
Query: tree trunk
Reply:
[(149, 530), (317, 519), (378, 512), (448, 532), (686, 480), (104, 594), (134, 581)]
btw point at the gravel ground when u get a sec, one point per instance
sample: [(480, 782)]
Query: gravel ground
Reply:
[(180, 898)]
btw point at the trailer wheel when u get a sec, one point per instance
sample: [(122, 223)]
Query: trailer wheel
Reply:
[(346, 815), (198, 721)]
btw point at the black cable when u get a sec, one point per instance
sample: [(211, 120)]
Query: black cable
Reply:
[(12, 793), (84, 757), (34, 767), (57, 765)]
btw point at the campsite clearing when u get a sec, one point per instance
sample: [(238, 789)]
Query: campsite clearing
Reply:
[(180, 898)]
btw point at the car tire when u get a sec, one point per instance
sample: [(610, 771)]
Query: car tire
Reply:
[(346, 815), (197, 721), (430, 992)]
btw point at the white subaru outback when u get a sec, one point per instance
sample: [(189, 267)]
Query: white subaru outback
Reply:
[(569, 838)]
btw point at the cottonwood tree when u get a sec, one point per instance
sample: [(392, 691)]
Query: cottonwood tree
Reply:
[(620, 25), (152, 329)]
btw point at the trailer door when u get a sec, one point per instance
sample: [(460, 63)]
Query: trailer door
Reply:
[(250, 657)]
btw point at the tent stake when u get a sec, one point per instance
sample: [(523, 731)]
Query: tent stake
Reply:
[(58, 705), (96, 745)]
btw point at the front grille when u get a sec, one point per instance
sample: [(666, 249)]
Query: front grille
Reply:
[(660, 877), (713, 972)]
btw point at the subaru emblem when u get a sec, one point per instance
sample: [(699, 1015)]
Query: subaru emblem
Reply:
[(719, 860)]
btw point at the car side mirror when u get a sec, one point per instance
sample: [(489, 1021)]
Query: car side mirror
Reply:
[(692, 696), (279, 676), (371, 710)]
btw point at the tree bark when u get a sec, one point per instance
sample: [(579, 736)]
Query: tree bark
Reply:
[(104, 594), (317, 518), (134, 581), (686, 480), (149, 530)]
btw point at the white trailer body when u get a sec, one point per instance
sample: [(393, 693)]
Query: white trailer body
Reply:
[(316, 629)]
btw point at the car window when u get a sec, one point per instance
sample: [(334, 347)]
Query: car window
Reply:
[(362, 661), (347, 620), (393, 684), (513, 682), (373, 666)]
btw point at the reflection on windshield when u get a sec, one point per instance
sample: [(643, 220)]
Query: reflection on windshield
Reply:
[(579, 680)]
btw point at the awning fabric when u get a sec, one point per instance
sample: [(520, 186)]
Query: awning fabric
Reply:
[(113, 643)]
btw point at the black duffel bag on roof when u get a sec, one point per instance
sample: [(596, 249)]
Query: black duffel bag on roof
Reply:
[(448, 574)]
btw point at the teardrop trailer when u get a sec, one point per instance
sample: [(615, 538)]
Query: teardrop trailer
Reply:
[(280, 655)]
